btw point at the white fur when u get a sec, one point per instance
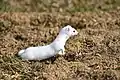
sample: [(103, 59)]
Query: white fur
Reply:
[(56, 47)]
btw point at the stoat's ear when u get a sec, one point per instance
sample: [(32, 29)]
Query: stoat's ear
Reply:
[(67, 29)]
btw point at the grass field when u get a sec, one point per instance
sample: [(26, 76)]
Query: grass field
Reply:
[(94, 54)]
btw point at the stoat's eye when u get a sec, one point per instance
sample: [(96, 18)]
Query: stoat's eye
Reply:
[(74, 31)]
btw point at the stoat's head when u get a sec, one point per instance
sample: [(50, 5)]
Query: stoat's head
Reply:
[(70, 31)]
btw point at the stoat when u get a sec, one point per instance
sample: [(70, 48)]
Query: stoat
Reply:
[(56, 47)]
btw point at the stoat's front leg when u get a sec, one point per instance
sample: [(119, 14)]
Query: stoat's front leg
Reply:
[(61, 52)]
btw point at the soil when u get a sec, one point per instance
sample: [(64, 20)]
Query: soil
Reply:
[(94, 54)]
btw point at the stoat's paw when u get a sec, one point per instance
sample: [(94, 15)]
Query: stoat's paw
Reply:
[(61, 52)]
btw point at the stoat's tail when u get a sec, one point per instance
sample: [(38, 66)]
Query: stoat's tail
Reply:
[(21, 52)]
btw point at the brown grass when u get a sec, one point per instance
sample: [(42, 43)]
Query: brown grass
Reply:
[(93, 54)]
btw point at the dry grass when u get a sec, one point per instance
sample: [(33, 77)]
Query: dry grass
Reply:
[(93, 54), (58, 6)]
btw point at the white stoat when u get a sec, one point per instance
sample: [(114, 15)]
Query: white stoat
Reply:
[(56, 47)]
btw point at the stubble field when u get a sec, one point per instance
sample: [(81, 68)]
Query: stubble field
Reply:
[(94, 54)]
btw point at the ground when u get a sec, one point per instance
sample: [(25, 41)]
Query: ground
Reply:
[(94, 54)]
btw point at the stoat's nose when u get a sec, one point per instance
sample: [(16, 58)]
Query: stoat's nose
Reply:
[(76, 32)]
